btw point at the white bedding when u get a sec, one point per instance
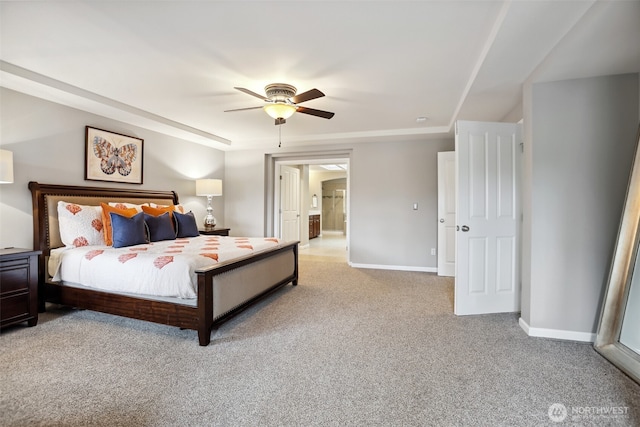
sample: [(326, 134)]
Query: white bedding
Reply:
[(165, 268)]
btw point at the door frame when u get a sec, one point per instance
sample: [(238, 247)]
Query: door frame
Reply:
[(272, 191), (442, 266)]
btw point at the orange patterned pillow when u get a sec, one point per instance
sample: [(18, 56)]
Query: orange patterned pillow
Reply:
[(158, 210), (177, 208), (125, 205), (106, 219)]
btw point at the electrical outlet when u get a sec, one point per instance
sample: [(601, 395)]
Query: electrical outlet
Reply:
[(433, 251)]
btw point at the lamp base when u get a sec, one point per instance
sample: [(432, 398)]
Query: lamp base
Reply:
[(209, 222)]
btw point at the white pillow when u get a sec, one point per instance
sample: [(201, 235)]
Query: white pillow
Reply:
[(80, 225)]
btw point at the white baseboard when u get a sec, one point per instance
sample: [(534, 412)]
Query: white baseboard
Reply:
[(394, 267), (557, 333)]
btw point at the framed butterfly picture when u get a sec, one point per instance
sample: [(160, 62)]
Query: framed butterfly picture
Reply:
[(112, 157)]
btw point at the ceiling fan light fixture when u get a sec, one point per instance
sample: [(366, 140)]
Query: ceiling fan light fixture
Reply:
[(282, 102), (280, 110)]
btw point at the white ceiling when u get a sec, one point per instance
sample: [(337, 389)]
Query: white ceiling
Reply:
[(171, 66)]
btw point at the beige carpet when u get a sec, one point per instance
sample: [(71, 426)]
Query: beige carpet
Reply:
[(346, 347)]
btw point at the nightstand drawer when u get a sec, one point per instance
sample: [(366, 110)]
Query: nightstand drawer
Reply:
[(18, 286), (15, 306), (14, 276)]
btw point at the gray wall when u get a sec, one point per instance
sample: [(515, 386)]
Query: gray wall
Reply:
[(245, 192), (385, 180), (47, 141), (579, 147)]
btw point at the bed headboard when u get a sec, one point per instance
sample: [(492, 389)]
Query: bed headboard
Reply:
[(45, 197)]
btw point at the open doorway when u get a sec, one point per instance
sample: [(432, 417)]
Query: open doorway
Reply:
[(328, 219), (329, 216), (334, 208)]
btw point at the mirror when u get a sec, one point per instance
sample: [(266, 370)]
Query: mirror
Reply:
[(630, 331), (618, 337)]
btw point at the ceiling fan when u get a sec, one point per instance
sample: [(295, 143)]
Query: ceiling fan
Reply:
[(282, 101)]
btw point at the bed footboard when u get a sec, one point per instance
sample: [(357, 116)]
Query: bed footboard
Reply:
[(228, 288)]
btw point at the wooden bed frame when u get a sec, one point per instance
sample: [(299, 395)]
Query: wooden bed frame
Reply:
[(223, 290)]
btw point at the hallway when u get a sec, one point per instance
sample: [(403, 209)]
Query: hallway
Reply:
[(331, 246)]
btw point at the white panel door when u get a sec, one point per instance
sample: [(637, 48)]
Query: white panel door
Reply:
[(447, 213), (487, 262), (289, 203)]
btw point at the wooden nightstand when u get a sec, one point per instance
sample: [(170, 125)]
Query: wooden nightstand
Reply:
[(18, 286), (216, 232)]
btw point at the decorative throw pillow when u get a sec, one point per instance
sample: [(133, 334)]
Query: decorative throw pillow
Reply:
[(158, 210), (159, 227), (186, 224), (106, 219), (178, 207), (127, 231), (80, 225), (126, 205)]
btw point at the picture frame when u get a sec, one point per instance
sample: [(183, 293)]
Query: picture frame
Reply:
[(113, 157)]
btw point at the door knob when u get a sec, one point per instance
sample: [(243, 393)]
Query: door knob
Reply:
[(441, 219), (465, 228)]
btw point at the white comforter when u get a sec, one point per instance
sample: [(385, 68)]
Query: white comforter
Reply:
[(165, 268)]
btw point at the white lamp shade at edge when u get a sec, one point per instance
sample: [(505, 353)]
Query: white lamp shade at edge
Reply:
[(6, 167)]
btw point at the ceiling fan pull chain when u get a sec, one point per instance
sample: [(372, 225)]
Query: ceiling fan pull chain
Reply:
[(279, 136)]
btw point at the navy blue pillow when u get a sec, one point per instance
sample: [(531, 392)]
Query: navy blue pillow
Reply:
[(128, 231), (159, 227), (185, 224)]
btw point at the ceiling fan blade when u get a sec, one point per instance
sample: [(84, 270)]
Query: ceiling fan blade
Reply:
[(242, 109), (248, 92), (307, 96), (314, 112)]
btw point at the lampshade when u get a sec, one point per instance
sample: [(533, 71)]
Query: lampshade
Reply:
[(280, 110), (208, 187), (6, 167)]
